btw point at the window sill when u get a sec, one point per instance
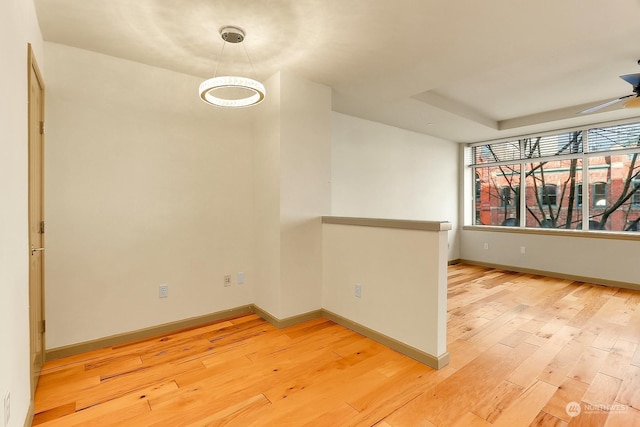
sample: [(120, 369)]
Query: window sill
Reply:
[(629, 235)]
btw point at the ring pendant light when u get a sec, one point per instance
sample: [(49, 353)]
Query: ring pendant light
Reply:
[(209, 87)]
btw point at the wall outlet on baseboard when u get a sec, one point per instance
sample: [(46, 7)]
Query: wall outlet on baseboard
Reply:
[(163, 291), (227, 280)]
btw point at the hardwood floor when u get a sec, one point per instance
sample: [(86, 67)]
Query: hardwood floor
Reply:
[(522, 348)]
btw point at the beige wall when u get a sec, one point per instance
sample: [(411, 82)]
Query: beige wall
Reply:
[(403, 279), (384, 172), (594, 258), (305, 188), (18, 26), (266, 189), (146, 185), (292, 190)]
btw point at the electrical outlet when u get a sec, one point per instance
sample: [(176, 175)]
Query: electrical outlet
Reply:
[(358, 290), (227, 280), (240, 278), (163, 291), (7, 408), (523, 250), (486, 246)]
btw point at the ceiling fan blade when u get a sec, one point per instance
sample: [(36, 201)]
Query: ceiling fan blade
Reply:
[(633, 79), (606, 104), (633, 103)]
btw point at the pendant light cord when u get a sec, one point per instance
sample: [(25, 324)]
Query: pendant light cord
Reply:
[(215, 73), (249, 59)]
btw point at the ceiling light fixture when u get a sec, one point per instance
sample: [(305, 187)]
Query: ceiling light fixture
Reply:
[(243, 91)]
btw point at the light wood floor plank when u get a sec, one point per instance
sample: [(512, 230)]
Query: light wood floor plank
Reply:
[(109, 413), (525, 409), (527, 373), (561, 365), (630, 389), (617, 362), (546, 420), (587, 367), (569, 391), (493, 403), (471, 420), (603, 390), (627, 417)]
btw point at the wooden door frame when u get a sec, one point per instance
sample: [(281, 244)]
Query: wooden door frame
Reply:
[(32, 65)]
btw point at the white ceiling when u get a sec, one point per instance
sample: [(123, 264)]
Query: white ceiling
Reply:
[(463, 70)]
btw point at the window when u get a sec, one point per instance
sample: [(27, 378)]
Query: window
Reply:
[(497, 201), (635, 187), (565, 183), (549, 195), (505, 196), (579, 195), (600, 194), (613, 138)]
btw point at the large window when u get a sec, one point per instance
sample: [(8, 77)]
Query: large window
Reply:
[(584, 179)]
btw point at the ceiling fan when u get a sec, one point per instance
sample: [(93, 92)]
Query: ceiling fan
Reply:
[(634, 102)]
